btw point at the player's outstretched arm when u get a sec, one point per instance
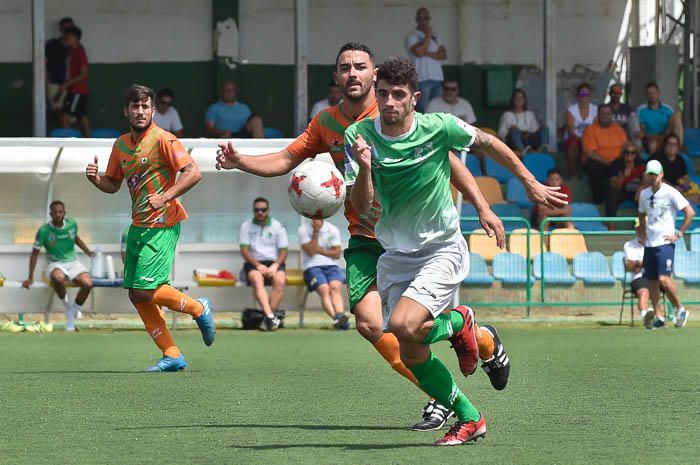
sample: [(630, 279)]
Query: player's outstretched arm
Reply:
[(268, 165), (104, 183), (463, 180), (362, 191), (499, 151)]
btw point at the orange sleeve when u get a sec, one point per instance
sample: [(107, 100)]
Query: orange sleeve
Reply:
[(589, 140), (114, 170), (173, 151), (310, 142)]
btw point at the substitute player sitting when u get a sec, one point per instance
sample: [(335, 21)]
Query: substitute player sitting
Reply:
[(634, 259), (59, 237)]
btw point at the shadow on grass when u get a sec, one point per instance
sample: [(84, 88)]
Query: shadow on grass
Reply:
[(268, 426), (76, 372), (341, 446)]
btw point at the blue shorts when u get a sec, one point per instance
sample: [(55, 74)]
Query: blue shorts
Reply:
[(658, 261), (318, 275)]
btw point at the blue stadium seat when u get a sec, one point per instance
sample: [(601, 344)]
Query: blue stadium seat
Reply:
[(105, 133), (627, 204), (510, 268), (539, 164), (692, 141), (695, 240), (474, 165), (508, 209), (469, 225), (592, 268), (478, 271), (688, 164), (618, 267), (495, 170), (65, 132), (681, 246), (272, 133), (586, 209), (556, 270), (687, 266), (515, 193), (681, 215)]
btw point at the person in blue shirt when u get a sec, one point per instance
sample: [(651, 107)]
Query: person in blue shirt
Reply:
[(230, 118), (656, 119)]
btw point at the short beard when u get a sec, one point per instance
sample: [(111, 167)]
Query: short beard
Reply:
[(355, 99), (140, 130)]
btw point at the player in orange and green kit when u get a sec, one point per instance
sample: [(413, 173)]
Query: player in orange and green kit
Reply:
[(355, 74), (149, 158)]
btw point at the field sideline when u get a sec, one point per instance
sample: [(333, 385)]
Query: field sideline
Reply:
[(578, 395)]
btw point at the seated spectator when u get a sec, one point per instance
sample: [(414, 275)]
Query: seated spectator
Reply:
[(602, 143), (626, 176), (657, 119), (450, 102), (579, 116), (540, 212), (229, 118), (634, 257), (59, 237), (166, 116), (263, 242), (675, 169), (333, 97), (519, 128), (320, 244)]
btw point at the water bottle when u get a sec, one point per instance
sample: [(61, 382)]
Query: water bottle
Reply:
[(109, 262), (97, 268)]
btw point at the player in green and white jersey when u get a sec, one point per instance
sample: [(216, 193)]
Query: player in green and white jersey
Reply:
[(401, 157), (59, 237)]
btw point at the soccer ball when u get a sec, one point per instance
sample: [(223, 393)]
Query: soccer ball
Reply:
[(316, 189)]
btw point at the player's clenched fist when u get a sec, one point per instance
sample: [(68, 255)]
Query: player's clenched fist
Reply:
[(92, 172), (362, 152), (227, 157)]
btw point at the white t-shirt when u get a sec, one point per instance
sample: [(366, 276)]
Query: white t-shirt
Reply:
[(634, 250), (264, 240), (661, 216), (170, 120), (426, 67), (581, 124), (525, 121), (462, 109), (328, 237), (318, 106)]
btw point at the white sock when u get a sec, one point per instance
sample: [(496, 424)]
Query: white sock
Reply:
[(70, 323), (66, 303), (78, 309), (677, 311)]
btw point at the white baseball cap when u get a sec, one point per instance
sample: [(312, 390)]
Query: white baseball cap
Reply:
[(654, 167)]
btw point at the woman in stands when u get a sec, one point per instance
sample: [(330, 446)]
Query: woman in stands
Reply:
[(579, 116), (519, 128), (626, 176), (675, 169)]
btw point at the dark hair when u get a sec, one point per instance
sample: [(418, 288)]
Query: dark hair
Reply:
[(583, 85), (166, 92), (617, 84), (74, 30), (137, 93), (511, 104), (604, 105), (651, 84), (64, 20), (670, 135), (261, 199), (398, 71), (57, 202), (354, 46), (553, 171)]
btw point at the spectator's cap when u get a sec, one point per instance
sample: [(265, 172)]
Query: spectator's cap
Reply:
[(636, 223), (654, 167)]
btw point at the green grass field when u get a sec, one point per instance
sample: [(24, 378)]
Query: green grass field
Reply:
[(577, 395)]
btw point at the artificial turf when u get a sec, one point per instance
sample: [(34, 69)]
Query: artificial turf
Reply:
[(577, 395)]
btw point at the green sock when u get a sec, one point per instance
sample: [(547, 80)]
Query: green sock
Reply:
[(437, 381), (446, 324)]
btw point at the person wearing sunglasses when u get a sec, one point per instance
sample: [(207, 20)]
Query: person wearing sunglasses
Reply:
[(626, 174), (450, 102), (166, 116), (675, 169), (264, 244), (579, 116), (659, 205), (426, 52)]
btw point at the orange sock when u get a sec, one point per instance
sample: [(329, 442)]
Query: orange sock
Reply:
[(168, 296), (485, 342), (154, 321), (388, 347)]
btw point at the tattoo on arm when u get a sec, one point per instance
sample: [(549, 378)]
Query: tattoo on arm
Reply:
[(187, 167), (483, 140)]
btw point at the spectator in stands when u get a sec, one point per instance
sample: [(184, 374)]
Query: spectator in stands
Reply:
[(426, 51), (579, 116), (519, 128), (621, 111), (59, 237), (634, 259), (450, 102), (675, 169), (166, 116), (541, 211), (263, 242), (320, 245), (659, 205), (602, 143), (56, 52), (76, 84), (333, 97), (626, 175), (656, 119), (230, 118)]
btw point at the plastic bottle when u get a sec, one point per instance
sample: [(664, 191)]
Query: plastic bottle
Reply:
[(109, 262), (97, 268)]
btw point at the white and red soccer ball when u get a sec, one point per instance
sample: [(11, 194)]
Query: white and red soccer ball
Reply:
[(316, 189)]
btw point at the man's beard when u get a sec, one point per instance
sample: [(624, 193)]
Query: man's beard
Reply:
[(139, 129)]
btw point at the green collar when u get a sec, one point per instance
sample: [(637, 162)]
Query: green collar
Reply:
[(267, 222)]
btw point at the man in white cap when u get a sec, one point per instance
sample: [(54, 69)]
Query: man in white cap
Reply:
[(659, 204)]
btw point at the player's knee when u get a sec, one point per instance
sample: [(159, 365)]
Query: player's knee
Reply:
[(255, 278), (370, 330), (139, 296), (279, 279)]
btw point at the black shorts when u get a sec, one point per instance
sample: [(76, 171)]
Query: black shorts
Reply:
[(639, 283), (75, 105), (243, 133), (248, 267)]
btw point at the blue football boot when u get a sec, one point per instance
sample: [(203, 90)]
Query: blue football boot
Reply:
[(168, 363), (205, 321)]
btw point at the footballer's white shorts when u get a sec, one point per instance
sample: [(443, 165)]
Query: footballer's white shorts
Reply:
[(431, 276), (71, 269)]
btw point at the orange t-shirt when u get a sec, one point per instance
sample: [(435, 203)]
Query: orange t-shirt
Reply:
[(325, 133), (150, 165), (606, 142)]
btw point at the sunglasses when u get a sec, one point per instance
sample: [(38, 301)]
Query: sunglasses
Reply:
[(424, 18), (584, 94), (627, 152), (450, 89), (259, 210)]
